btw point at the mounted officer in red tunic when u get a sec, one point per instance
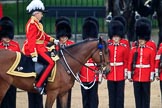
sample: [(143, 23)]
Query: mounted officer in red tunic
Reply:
[(34, 45)]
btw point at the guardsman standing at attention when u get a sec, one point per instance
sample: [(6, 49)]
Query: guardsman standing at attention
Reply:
[(142, 71), (63, 34), (158, 66), (118, 53), (7, 42), (88, 77)]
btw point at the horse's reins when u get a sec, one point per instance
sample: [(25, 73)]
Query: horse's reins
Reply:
[(77, 77), (77, 59)]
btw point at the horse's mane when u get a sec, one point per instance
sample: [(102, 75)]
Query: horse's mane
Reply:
[(89, 40), (82, 42)]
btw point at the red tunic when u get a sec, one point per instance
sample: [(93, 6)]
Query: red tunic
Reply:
[(144, 65), (118, 55), (157, 60), (87, 75), (67, 43), (36, 37), (1, 10), (150, 43), (12, 45), (35, 45)]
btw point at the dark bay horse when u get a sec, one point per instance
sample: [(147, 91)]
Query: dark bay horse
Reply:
[(75, 56)]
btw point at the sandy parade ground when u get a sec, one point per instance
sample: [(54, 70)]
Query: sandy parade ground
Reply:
[(22, 101)]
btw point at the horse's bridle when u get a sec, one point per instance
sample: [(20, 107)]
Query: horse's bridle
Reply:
[(102, 63), (100, 48)]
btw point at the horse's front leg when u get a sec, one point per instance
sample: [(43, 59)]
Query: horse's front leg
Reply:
[(51, 96), (4, 86), (64, 99)]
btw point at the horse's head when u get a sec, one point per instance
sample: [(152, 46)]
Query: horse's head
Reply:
[(101, 56)]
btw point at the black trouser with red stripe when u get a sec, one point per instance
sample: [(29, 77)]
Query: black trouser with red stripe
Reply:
[(44, 58), (116, 93), (35, 100), (90, 96), (142, 94)]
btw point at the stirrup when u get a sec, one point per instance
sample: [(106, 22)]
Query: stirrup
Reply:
[(39, 89)]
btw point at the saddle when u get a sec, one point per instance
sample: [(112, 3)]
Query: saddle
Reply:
[(25, 67)]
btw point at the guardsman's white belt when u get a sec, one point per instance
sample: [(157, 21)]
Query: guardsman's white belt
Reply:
[(116, 63), (142, 66), (91, 64)]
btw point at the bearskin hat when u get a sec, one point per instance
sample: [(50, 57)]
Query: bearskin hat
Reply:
[(143, 28), (90, 27), (63, 27), (115, 28), (6, 28), (35, 5), (122, 20)]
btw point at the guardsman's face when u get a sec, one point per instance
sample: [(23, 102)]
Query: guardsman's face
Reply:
[(63, 39), (141, 42), (5, 40), (116, 39)]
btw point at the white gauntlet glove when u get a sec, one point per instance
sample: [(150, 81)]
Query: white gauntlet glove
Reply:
[(35, 59), (125, 73), (152, 76), (129, 75), (56, 41)]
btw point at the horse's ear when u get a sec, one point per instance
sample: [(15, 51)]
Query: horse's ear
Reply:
[(100, 46), (100, 40)]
